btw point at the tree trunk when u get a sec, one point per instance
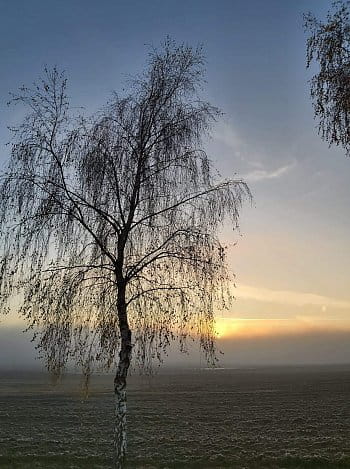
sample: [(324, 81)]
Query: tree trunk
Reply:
[(120, 426), (120, 382)]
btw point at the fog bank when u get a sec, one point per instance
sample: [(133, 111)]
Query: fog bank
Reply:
[(18, 352)]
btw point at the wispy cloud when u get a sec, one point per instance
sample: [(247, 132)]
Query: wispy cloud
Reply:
[(289, 297), (226, 134), (255, 163), (262, 174)]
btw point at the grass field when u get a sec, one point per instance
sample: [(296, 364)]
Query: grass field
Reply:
[(254, 418)]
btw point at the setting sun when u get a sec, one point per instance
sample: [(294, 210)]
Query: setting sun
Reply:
[(226, 327)]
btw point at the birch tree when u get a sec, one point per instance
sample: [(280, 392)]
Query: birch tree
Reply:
[(110, 224), (328, 45)]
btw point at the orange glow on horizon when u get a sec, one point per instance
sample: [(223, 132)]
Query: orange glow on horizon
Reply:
[(241, 328)]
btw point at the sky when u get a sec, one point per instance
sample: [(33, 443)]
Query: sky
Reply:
[(292, 257)]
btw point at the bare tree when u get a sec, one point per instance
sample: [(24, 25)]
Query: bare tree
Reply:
[(110, 223), (329, 45)]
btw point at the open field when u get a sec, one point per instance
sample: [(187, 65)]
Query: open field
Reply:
[(254, 418)]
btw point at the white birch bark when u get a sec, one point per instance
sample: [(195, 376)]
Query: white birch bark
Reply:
[(120, 428)]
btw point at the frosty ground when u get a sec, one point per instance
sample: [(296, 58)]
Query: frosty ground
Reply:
[(224, 418)]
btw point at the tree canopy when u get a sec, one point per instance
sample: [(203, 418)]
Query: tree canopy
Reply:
[(328, 45), (110, 223)]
